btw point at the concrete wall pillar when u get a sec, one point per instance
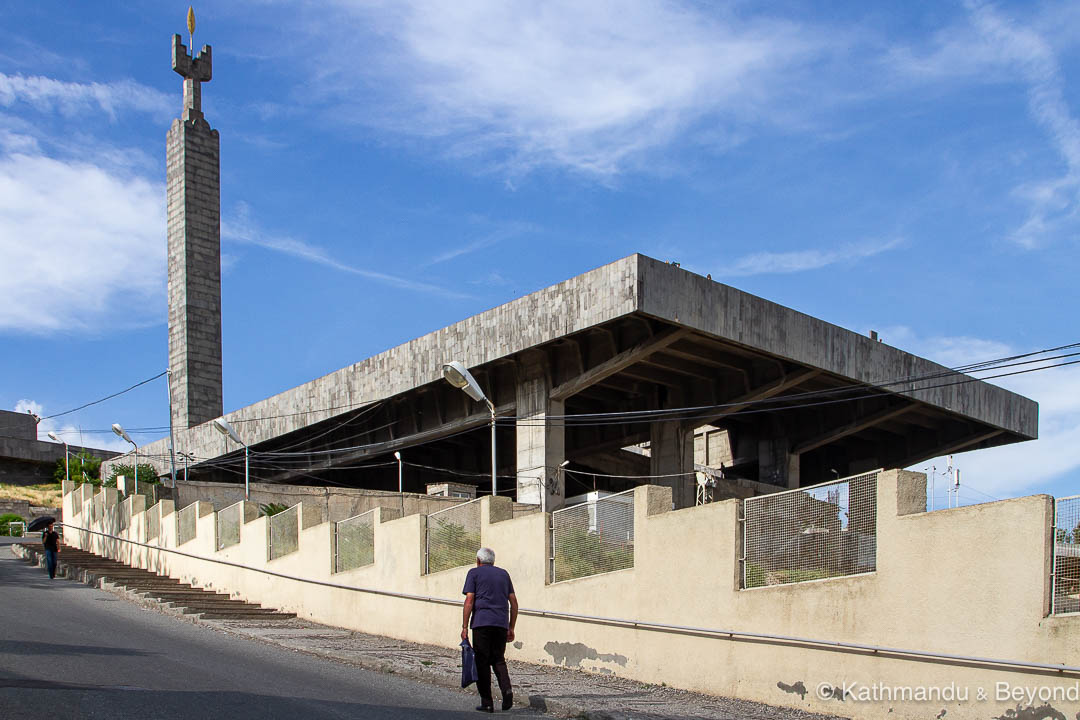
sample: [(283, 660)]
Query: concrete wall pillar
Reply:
[(671, 447), (776, 465), (541, 445)]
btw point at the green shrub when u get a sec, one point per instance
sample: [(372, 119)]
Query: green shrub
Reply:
[(579, 553), (451, 545), (84, 467), (270, 509), (6, 519), (755, 575)]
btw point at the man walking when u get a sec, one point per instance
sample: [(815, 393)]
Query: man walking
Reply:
[(492, 606), (51, 540)]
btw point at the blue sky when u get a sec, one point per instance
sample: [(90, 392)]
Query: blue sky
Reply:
[(389, 168)]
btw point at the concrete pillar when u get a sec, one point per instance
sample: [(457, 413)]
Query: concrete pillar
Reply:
[(671, 448), (193, 193), (776, 465), (541, 445)]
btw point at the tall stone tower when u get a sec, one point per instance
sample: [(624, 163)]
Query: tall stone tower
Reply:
[(194, 197)]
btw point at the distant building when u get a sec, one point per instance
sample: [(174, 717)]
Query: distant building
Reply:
[(25, 460)]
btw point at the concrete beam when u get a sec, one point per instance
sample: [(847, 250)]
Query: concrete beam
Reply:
[(851, 428), (763, 392), (949, 448), (618, 363)]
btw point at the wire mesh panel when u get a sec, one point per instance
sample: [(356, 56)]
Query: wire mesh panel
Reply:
[(125, 514), (285, 532), (77, 501), (186, 523), (823, 531), (354, 542), (228, 524), (153, 522), (453, 536), (592, 538), (97, 508), (1066, 596)]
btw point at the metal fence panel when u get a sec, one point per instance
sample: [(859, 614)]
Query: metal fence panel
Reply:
[(453, 536), (97, 508), (125, 514), (1066, 574), (354, 542), (593, 538), (153, 522), (228, 524), (823, 531), (186, 523), (284, 532), (77, 501)]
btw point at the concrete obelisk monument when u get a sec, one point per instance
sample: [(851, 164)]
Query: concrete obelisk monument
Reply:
[(194, 199)]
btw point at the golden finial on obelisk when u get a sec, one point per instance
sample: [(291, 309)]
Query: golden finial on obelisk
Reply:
[(191, 28)]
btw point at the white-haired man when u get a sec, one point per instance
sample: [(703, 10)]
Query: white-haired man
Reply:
[(492, 607)]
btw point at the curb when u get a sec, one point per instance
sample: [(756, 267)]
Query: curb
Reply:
[(559, 708)]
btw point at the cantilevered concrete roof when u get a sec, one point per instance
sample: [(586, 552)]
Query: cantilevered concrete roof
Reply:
[(641, 334)]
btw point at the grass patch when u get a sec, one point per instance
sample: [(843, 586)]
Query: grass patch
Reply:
[(47, 495)]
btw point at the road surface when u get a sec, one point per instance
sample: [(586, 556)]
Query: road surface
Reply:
[(70, 651)]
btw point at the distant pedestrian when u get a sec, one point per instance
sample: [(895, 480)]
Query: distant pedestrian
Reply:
[(51, 540), (492, 606)]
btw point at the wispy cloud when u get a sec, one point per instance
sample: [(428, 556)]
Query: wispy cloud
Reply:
[(1011, 469), (592, 87), (991, 47), (242, 229), (803, 260), (485, 239), (71, 98), (85, 239)]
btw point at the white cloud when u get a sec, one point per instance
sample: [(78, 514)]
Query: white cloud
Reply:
[(71, 98), (588, 86), (243, 230), (501, 232), (1021, 467), (990, 47), (803, 260), (82, 246), (70, 433)]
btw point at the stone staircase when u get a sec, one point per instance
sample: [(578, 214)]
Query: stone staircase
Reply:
[(165, 592)]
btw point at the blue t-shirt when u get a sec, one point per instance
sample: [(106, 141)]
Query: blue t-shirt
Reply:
[(492, 587)]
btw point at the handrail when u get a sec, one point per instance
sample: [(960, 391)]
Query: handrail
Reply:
[(636, 624)]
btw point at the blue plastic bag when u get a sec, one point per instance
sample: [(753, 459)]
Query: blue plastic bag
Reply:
[(468, 664)]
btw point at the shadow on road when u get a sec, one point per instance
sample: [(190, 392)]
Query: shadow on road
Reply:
[(29, 647)]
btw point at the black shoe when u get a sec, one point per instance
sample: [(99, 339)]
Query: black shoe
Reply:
[(485, 708), (508, 701)]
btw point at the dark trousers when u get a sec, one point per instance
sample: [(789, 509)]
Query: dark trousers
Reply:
[(489, 645), (50, 563)]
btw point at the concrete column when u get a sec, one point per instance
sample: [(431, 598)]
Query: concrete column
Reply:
[(541, 445), (776, 465), (194, 252), (671, 447)]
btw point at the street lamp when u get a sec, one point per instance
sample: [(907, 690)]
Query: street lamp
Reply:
[(400, 487), (67, 465), (456, 374), (223, 427), (120, 431)]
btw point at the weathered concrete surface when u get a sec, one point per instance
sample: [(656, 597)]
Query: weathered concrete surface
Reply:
[(635, 284)]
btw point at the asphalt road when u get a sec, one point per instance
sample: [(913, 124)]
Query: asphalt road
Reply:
[(70, 651)]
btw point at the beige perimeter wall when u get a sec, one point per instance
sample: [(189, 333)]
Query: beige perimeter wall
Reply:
[(971, 581)]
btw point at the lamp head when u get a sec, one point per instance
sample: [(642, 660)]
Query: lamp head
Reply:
[(53, 436), (120, 431), (223, 427), (457, 375), (397, 456)]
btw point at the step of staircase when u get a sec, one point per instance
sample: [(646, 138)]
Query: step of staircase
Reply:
[(165, 592)]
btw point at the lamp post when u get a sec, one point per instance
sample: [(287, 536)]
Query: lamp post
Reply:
[(400, 486), (67, 464), (172, 440), (223, 427), (457, 375), (120, 431)]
